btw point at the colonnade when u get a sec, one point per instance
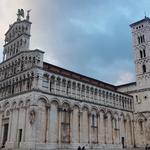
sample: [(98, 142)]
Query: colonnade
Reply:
[(83, 91), (65, 124)]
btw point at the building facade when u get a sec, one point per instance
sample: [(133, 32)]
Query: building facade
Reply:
[(140, 89), (43, 106)]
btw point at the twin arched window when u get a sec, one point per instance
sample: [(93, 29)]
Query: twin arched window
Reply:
[(142, 53), (141, 39)]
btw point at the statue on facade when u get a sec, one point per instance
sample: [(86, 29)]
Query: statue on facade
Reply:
[(28, 15), (20, 14), (32, 116)]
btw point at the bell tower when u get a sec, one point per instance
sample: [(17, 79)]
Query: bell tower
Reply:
[(141, 44), (17, 38)]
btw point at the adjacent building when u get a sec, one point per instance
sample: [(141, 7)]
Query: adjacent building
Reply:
[(140, 89)]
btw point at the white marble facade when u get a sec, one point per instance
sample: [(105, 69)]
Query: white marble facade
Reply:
[(43, 106)]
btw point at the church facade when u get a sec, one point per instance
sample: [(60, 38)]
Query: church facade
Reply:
[(43, 106)]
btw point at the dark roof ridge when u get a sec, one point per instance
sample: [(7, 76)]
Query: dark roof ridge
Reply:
[(95, 82), (140, 21), (126, 84)]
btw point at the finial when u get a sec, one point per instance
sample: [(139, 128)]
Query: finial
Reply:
[(28, 15), (20, 14)]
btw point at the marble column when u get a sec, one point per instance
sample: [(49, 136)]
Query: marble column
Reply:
[(85, 130), (59, 124), (53, 128), (75, 125), (1, 137)]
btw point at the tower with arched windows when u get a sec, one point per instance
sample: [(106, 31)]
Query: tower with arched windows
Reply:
[(140, 89), (141, 44)]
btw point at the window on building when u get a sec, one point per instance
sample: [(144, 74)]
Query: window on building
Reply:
[(45, 81), (68, 88), (143, 38), (144, 68), (141, 54), (141, 126), (93, 119), (115, 123), (52, 83), (144, 54), (136, 98), (139, 40), (50, 86)]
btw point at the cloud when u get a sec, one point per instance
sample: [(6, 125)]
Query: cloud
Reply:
[(88, 37), (125, 77)]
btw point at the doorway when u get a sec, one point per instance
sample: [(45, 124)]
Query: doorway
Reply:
[(5, 134), (19, 137), (122, 141)]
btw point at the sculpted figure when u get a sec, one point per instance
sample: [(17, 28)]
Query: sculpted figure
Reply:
[(32, 116)]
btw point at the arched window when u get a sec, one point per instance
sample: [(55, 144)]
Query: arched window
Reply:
[(58, 81), (136, 98), (115, 123), (141, 125), (143, 38), (21, 42), (138, 39), (93, 119), (144, 54), (45, 81), (52, 83), (144, 68), (63, 85), (141, 55)]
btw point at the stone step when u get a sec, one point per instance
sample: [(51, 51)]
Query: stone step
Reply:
[(86, 149)]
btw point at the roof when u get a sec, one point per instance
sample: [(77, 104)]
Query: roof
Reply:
[(140, 21), (77, 76), (17, 23), (127, 84), (70, 74)]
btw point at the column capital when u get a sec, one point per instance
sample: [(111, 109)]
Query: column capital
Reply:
[(70, 110), (48, 106), (59, 109), (80, 112)]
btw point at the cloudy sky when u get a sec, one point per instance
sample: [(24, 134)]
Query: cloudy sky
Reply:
[(91, 37)]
